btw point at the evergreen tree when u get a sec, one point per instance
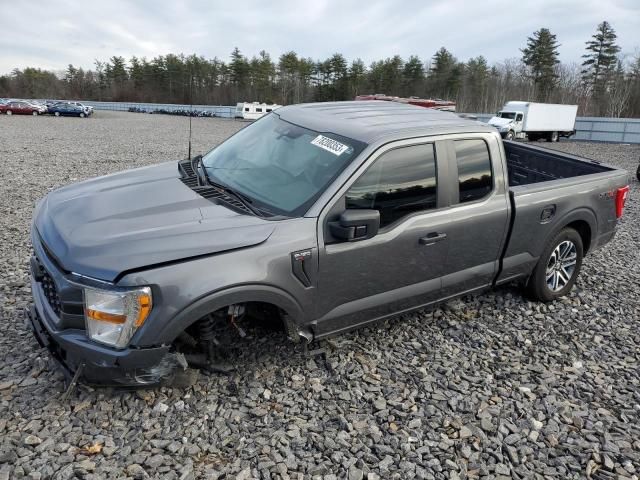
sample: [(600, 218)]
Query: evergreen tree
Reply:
[(601, 59), (357, 78), (444, 75), (476, 75), (239, 71), (413, 77), (541, 57)]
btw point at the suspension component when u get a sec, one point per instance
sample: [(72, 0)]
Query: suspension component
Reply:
[(235, 313)]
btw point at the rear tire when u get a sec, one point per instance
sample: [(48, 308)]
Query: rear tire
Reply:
[(553, 137), (57, 114), (35, 114), (558, 267)]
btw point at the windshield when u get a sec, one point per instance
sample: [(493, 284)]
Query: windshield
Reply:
[(509, 115), (280, 166)]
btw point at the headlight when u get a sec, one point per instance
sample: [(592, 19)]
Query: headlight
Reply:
[(112, 317)]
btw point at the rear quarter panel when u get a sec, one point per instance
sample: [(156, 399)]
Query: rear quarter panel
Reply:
[(589, 198)]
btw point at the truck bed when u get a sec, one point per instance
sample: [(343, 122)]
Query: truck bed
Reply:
[(527, 164)]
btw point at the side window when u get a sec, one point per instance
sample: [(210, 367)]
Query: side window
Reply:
[(519, 117), (474, 169), (400, 182)]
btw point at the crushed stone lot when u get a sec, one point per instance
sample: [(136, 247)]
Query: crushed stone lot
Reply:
[(490, 386)]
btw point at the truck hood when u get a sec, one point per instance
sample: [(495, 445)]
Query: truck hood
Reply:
[(138, 218), (499, 122)]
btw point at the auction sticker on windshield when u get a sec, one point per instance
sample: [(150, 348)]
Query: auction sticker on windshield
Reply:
[(329, 144)]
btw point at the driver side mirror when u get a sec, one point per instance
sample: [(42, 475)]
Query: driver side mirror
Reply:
[(356, 224)]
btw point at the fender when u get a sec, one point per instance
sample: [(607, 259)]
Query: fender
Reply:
[(225, 297)]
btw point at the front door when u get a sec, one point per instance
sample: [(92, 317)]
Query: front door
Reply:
[(400, 267)]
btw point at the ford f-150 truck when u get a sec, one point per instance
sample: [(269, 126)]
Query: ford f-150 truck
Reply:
[(323, 216)]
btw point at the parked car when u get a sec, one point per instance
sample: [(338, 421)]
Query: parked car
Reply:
[(42, 108), (324, 217), (535, 121), (67, 109), (88, 110), (21, 107)]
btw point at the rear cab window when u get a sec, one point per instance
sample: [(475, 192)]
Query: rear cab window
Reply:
[(475, 178)]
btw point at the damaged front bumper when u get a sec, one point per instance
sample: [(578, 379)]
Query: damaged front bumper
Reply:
[(71, 349)]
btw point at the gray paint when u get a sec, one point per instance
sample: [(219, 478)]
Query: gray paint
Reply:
[(233, 258)]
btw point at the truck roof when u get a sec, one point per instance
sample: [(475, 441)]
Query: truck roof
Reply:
[(369, 121)]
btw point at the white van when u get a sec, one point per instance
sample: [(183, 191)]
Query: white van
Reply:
[(535, 121)]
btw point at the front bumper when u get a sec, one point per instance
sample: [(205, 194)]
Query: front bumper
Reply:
[(101, 365), (63, 335)]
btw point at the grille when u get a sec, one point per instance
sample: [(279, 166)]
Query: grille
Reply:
[(50, 291)]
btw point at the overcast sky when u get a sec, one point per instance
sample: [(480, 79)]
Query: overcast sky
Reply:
[(53, 33)]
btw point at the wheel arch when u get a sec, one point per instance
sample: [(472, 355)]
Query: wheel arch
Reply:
[(585, 231), (223, 298), (584, 221)]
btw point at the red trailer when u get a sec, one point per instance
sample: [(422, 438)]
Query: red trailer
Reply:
[(436, 103)]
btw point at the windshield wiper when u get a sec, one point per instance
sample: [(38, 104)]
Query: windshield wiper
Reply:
[(201, 175), (242, 198)]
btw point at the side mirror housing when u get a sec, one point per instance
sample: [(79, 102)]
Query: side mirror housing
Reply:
[(356, 224)]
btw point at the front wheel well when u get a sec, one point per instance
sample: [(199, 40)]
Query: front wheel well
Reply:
[(259, 314), (584, 230)]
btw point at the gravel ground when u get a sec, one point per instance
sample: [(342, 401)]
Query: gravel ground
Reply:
[(490, 386)]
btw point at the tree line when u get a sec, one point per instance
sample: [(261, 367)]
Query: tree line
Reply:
[(603, 83)]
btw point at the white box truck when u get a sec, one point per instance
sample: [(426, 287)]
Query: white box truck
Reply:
[(535, 121)]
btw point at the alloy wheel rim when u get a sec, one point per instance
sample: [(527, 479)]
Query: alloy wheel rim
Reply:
[(561, 265)]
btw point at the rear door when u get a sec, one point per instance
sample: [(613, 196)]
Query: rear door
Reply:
[(400, 267), (479, 212)]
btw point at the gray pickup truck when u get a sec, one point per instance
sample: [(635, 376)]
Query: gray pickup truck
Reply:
[(323, 216)]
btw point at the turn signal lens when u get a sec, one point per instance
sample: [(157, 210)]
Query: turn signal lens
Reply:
[(105, 317), (144, 307)]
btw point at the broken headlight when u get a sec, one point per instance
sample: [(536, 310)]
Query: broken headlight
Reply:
[(112, 317)]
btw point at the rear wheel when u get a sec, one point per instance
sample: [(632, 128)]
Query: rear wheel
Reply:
[(553, 137), (558, 267), (57, 114), (35, 114), (9, 112)]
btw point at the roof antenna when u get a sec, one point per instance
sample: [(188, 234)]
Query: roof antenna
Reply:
[(190, 111)]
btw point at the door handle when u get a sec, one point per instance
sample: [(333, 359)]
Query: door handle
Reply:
[(432, 238)]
